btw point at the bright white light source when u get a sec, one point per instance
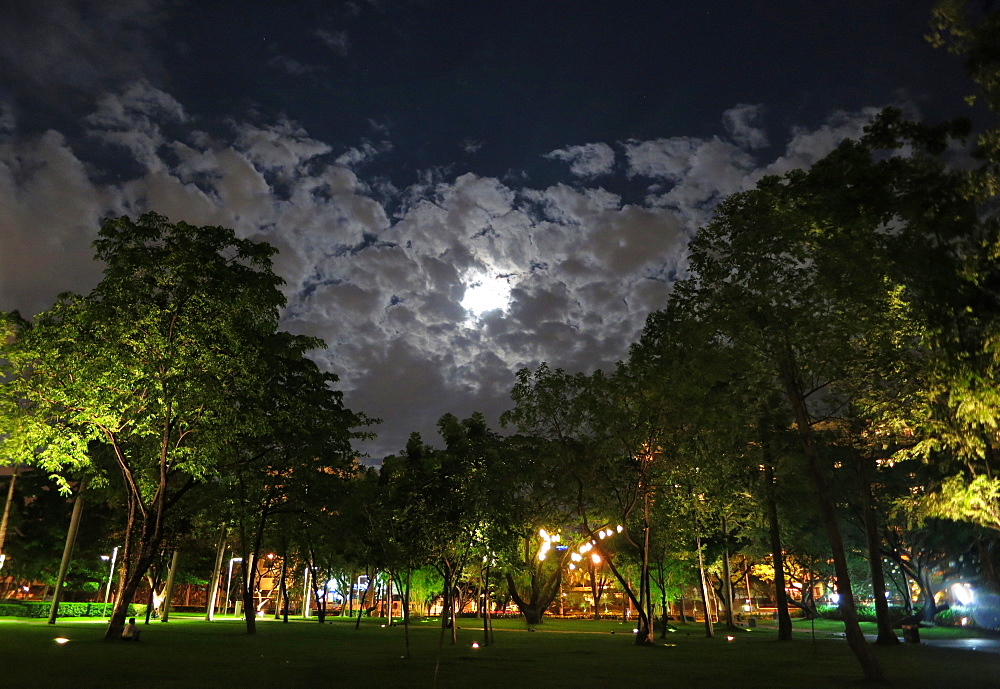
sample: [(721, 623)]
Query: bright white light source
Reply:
[(61, 640), (963, 593), (475, 644), (486, 292)]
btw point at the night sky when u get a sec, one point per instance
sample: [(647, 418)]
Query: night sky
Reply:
[(419, 161)]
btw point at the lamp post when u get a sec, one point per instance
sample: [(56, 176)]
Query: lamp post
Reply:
[(229, 582), (111, 574)]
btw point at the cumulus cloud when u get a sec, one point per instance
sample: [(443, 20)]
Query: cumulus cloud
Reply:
[(806, 146), (742, 124), (384, 288), (281, 147), (587, 160), (49, 213), (363, 153), (133, 118)]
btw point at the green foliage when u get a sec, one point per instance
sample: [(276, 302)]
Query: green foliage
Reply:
[(167, 378), (40, 609), (12, 610), (866, 613), (976, 500), (953, 616)]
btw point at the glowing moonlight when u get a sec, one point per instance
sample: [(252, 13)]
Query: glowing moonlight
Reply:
[(485, 293)]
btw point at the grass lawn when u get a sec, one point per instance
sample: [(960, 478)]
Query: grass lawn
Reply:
[(189, 653)]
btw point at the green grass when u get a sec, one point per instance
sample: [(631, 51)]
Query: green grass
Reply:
[(189, 653)]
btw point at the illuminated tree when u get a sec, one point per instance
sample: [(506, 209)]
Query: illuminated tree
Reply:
[(163, 362)]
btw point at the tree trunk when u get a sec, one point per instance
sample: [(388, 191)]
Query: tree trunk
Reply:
[(852, 629), (248, 584), (886, 636), (645, 635), (405, 603), (5, 520), (727, 576), (595, 593), (929, 608), (364, 598), (777, 556), (130, 583), (282, 611), (67, 557)]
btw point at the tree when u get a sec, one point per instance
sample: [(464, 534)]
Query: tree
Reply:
[(771, 272), (304, 448), (162, 362)]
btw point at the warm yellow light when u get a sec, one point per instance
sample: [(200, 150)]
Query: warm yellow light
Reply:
[(595, 558), (575, 557), (571, 566), (544, 534)]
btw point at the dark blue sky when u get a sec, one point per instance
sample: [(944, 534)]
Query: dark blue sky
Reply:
[(402, 154)]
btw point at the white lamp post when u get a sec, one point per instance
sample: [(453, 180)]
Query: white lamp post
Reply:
[(229, 582), (111, 574)]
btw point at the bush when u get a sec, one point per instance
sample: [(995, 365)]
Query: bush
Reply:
[(37, 609), (952, 617), (866, 613), (11, 610)]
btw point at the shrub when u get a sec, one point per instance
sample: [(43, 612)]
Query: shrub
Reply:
[(11, 610), (37, 609), (953, 616), (866, 613)]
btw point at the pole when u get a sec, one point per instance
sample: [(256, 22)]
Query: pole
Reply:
[(229, 582), (213, 596), (74, 527), (111, 575), (165, 615), (306, 598)]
